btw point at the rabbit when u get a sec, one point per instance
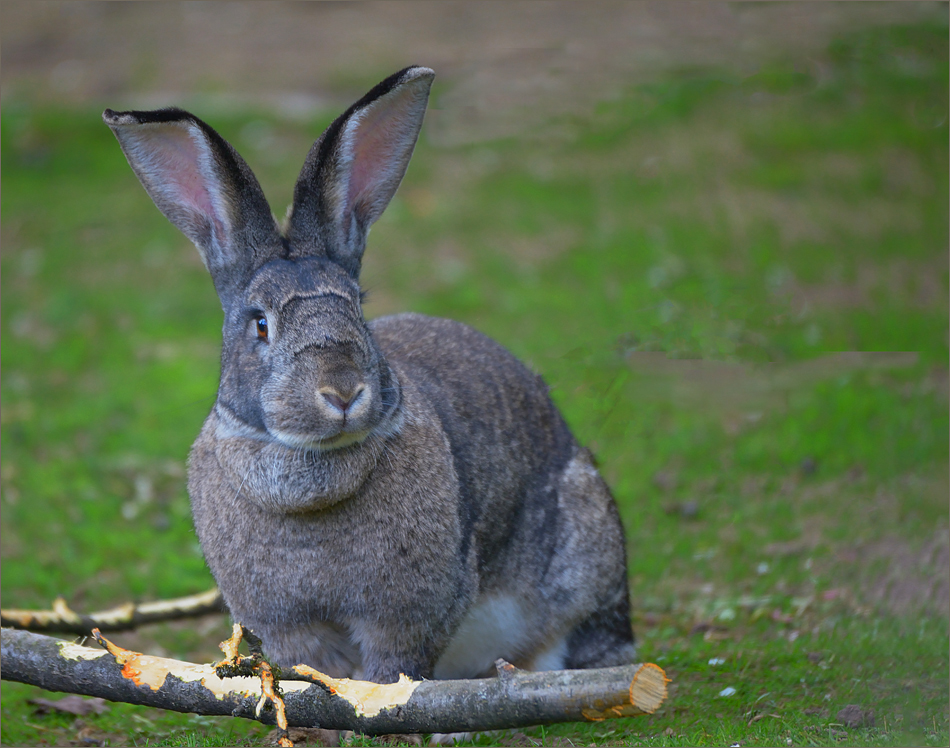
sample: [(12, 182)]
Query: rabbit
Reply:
[(379, 498)]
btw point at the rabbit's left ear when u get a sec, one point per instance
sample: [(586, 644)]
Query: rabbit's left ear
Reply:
[(353, 170)]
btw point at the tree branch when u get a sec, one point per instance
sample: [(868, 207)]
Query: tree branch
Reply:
[(514, 699), (61, 619)]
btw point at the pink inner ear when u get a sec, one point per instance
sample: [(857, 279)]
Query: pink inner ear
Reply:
[(180, 171), (362, 173), (381, 143)]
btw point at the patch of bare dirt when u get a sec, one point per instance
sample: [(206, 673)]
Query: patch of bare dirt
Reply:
[(743, 390), (915, 283), (503, 67), (915, 579)]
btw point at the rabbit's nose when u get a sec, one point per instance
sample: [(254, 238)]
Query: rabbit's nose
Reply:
[(342, 401)]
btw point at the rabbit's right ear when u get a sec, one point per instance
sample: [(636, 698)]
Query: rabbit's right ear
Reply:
[(203, 187)]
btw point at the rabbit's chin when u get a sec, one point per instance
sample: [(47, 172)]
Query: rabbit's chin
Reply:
[(313, 444)]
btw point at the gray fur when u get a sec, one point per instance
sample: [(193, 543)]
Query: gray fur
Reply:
[(399, 496)]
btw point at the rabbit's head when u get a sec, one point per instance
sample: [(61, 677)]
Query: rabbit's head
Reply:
[(298, 363)]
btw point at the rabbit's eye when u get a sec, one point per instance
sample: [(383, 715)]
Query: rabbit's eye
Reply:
[(261, 324)]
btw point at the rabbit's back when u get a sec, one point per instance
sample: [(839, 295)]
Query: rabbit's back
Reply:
[(537, 524), (508, 440)]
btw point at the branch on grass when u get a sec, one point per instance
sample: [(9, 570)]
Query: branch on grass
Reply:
[(61, 619), (515, 698)]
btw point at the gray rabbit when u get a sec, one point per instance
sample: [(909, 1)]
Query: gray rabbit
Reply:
[(398, 496)]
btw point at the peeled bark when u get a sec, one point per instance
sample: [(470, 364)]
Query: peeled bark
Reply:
[(63, 620), (515, 698)]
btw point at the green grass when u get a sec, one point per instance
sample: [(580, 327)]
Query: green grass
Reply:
[(684, 264)]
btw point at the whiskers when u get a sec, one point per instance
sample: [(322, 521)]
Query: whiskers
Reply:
[(389, 396), (237, 494)]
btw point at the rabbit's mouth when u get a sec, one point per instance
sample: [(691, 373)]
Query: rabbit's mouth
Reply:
[(317, 444), (384, 426)]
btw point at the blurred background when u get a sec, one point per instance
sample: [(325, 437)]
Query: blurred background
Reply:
[(502, 70), (718, 230)]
